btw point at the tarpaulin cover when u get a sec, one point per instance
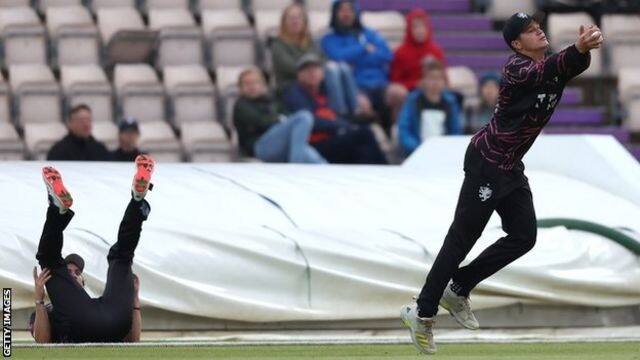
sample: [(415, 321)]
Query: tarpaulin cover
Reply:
[(261, 243)]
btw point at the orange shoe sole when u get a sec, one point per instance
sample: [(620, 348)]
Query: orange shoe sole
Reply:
[(53, 180), (142, 179)]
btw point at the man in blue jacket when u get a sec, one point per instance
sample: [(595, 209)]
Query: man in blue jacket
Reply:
[(430, 110), (369, 56), (335, 138)]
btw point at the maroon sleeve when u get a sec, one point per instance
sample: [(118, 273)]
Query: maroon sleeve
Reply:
[(521, 70)]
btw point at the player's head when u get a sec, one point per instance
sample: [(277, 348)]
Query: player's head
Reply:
[(79, 121), (523, 34), (75, 266)]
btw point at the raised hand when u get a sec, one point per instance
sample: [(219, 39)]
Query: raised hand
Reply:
[(39, 281), (590, 38)]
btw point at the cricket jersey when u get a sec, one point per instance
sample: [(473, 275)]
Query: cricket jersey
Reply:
[(529, 93)]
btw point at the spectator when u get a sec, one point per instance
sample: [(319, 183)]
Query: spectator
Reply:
[(338, 140), (294, 41), (266, 134), (429, 111), (79, 144), (128, 137), (369, 56), (406, 67), (489, 89)]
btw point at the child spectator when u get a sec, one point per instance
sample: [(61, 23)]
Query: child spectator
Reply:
[(489, 89), (429, 111), (406, 67), (266, 134)]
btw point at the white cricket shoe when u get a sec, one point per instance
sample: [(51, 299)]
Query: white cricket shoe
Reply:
[(460, 308), (420, 328)]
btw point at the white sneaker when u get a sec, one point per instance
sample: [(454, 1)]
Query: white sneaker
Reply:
[(420, 328), (460, 308), (58, 194)]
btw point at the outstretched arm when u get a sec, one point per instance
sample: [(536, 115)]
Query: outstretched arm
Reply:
[(136, 324), (41, 326), (566, 63)]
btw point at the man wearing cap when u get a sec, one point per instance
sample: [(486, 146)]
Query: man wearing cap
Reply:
[(531, 87), (128, 137), (73, 316), (335, 138)]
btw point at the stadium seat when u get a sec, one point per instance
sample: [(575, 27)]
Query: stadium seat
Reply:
[(96, 5), (11, 147), (267, 23), (218, 5), (206, 142), (166, 4), (14, 3), (503, 9), (191, 92), (23, 36), (158, 139), (5, 110), (629, 94), (74, 35), (623, 40), (43, 5), (227, 85), (232, 41), (390, 24), (36, 92), (318, 5), (180, 38), (563, 30), (124, 35), (260, 5), (319, 22), (139, 92), (106, 132), (88, 84), (40, 137), (463, 80)]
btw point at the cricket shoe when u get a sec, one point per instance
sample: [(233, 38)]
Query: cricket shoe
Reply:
[(58, 194), (142, 179), (459, 307), (421, 329)]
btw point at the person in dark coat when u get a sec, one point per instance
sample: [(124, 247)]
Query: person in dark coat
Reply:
[(128, 137), (79, 144)]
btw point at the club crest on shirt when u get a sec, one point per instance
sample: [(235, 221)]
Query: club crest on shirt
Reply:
[(484, 193)]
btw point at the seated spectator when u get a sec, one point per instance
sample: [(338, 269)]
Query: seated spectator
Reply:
[(429, 111), (338, 140), (294, 41), (489, 89), (265, 133), (128, 137), (406, 67), (369, 56), (79, 144)]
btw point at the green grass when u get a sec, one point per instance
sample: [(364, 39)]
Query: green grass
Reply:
[(553, 351)]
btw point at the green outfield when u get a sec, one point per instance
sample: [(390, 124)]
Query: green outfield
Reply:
[(546, 351)]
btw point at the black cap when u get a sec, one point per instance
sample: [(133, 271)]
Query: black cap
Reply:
[(308, 59), (517, 24), (128, 123), (76, 260)]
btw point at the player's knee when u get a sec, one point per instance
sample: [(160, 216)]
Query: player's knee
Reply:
[(529, 238)]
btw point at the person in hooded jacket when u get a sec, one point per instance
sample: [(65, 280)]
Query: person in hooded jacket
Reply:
[(368, 54), (418, 44)]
